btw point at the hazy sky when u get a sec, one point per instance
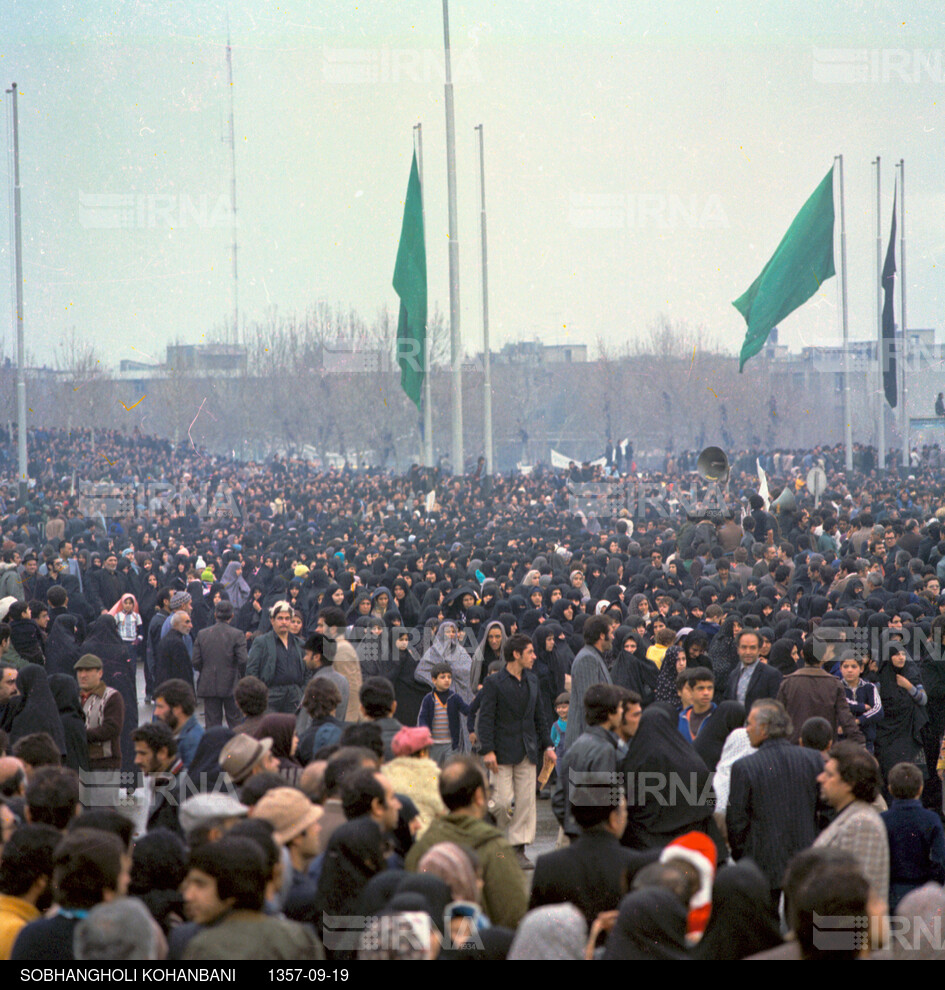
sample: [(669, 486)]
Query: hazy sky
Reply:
[(641, 159)]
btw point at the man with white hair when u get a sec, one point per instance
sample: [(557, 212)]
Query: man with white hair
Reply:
[(275, 658), (117, 930)]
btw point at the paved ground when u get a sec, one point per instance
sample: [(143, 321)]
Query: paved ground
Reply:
[(546, 833)]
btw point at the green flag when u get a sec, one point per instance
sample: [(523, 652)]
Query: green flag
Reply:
[(803, 260), (410, 283)]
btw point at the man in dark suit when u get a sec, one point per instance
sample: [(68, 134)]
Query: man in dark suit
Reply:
[(513, 734), (173, 662), (220, 656), (772, 804), (752, 680), (109, 583), (594, 872)]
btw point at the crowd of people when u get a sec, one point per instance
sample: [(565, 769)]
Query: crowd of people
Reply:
[(323, 722)]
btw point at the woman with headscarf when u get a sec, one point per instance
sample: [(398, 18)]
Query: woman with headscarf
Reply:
[(490, 648), (446, 648), (631, 668), (201, 613), (899, 735), (549, 669), (235, 584), (651, 924), (62, 646), (453, 864), (104, 642), (710, 742), (784, 656), (722, 654), (251, 611), (281, 730), (38, 711), (742, 922), (674, 663), (557, 932), (354, 855), (371, 640), (408, 690), (360, 608), (65, 692), (686, 803)]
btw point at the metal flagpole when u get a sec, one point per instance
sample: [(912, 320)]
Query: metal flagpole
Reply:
[(427, 371), (848, 423), (22, 463), (486, 356), (456, 343), (231, 140), (882, 350), (904, 350)]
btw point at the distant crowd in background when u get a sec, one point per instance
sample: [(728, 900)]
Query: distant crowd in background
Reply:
[(242, 705)]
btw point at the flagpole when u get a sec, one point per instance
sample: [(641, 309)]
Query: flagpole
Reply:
[(882, 356), (22, 460), (456, 343), (903, 357), (848, 423), (427, 452), (486, 356), (231, 140)]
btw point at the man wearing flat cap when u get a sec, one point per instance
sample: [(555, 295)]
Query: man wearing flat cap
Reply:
[(104, 711)]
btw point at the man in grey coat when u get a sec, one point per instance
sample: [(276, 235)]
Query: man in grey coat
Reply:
[(220, 657), (588, 769), (588, 668)]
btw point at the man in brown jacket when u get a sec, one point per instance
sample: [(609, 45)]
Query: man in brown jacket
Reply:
[(812, 691), (104, 714)]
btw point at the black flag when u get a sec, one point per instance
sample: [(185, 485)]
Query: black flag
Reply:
[(889, 316)]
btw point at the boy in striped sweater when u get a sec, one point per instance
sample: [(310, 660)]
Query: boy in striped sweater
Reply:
[(442, 711)]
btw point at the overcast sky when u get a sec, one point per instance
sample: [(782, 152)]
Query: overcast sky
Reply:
[(641, 159)]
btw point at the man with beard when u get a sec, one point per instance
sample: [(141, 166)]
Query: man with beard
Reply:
[(25, 880), (110, 583), (174, 705), (156, 756)]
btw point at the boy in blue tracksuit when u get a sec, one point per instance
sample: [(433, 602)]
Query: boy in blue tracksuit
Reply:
[(866, 706), (441, 712)]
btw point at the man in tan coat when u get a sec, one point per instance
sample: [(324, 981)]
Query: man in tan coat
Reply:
[(344, 658)]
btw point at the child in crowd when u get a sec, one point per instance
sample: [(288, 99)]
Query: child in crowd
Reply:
[(558, 730), (128, 620), (866, 706), (441, 712), (664, 640), (916, 837)]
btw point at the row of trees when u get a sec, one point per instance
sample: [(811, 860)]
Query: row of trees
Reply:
[(672, 388)]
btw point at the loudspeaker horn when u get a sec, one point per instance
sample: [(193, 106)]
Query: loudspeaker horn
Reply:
[(713, 465)]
